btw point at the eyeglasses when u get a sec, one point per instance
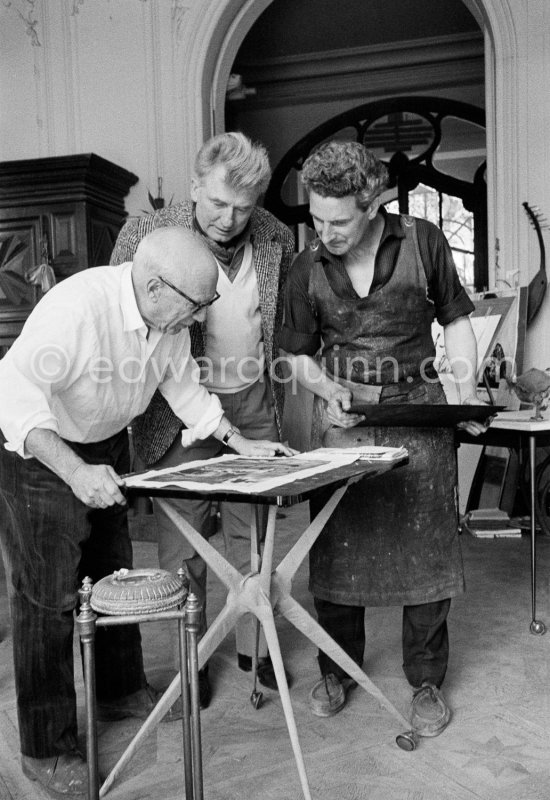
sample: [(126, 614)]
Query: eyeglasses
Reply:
[(197, 305)]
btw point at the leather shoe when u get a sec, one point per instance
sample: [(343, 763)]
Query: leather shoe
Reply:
[(61, 776), (266, 673), (430, 714), (328, 696)]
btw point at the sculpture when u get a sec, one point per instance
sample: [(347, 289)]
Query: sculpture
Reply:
[(533, 387)]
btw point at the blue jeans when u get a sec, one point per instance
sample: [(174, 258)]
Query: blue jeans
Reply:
[(50, 541)]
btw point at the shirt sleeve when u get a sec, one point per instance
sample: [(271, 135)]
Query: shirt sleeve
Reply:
[(25, 407), (44, 359), (200, 411), (301, 333), (444, 288)]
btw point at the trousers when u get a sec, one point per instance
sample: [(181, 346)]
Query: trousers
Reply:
[(50, 541), (425, 638), (252, 411)]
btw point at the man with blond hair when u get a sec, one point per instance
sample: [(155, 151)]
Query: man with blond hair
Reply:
[(237, 347)]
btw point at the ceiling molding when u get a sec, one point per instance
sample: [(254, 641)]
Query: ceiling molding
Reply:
[(429, 50), (379, 69)]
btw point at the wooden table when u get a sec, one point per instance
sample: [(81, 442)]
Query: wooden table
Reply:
[(266, 591), (513, 429)]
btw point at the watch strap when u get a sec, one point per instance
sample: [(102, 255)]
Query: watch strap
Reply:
[(228, 434)]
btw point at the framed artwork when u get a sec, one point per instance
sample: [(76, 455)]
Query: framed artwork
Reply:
[(487, 475), (499, 323)]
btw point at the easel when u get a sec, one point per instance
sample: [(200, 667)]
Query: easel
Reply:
[(496, 475)]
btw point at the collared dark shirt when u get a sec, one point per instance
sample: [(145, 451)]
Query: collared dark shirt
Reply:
[(301, 334)]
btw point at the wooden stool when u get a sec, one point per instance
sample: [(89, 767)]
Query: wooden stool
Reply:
[(136, 596)]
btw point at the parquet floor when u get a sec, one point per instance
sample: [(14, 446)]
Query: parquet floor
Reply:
[(496, 747)]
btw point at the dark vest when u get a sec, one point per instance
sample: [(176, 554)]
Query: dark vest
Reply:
[(384, 337)]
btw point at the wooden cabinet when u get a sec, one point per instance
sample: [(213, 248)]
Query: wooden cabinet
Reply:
[(68, 209)]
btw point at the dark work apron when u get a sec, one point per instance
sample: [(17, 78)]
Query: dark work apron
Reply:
[(393, 539)]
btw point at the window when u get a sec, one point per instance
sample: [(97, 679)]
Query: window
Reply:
[(449, 214)]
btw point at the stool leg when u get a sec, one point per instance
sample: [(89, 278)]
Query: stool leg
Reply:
[(192, 620), (86, 620), (186, 715), (256, 531), (257, 696)]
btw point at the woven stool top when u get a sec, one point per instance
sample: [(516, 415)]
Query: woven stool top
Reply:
[(138, 591)]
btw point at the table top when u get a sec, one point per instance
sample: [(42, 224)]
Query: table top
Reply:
[(510, 429), (521, 421), (297, 491)]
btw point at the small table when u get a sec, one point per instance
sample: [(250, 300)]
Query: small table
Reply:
[(512, 429), (265, 590)]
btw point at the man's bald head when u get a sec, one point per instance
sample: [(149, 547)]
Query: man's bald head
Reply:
[(181, 257)]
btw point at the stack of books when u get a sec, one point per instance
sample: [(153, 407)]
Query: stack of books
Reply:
[(490, 523), (367, 452)]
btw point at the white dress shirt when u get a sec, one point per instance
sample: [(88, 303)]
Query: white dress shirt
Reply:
[(84, 366)]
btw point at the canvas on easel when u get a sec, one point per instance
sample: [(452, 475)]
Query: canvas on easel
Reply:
[(488, 476), (499, 323)]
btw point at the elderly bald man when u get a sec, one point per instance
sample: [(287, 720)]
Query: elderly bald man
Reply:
[(88, 360)]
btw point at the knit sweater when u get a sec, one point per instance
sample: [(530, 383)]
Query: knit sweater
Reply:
[(273, 247)]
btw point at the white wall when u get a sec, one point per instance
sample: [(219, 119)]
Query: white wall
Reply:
[(96, 76), (532, 122)]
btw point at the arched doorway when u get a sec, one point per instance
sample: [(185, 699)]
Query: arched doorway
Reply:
[(211, 66), (411, 135)]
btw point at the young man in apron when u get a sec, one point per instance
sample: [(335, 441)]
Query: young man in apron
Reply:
[(360, 301)]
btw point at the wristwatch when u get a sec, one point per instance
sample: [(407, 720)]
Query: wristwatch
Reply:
[(228, 434)]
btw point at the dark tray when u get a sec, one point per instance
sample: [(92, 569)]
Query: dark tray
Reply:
[(423, 416)]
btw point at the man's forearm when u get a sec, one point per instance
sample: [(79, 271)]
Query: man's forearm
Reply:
[(224, 429), (51, 450), (461, 349), (309, 374)]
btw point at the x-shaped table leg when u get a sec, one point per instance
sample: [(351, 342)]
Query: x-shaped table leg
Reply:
[(262, 593), (246, 593)]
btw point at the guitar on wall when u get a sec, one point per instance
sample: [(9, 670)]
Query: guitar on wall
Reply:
[(498, 470), (536, 291), (537, 286)]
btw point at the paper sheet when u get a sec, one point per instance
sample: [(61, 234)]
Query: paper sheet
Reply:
[(248, 474)]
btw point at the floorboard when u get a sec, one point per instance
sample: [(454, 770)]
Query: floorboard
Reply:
[(496, 747)]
